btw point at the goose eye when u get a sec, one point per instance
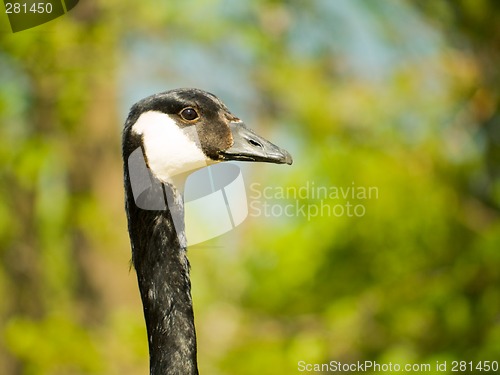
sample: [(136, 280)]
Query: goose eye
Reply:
[(189, 114)]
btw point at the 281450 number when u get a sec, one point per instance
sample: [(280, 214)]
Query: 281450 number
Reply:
[(464, 366), (16, 8)]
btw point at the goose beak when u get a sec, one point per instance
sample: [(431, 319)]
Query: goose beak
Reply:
[(248, 146)]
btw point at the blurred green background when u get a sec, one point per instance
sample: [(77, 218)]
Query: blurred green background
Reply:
[(402, 96)]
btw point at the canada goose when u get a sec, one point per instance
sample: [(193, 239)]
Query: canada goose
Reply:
[(175, 133)]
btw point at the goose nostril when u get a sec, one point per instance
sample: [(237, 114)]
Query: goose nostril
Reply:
[(254, 143)]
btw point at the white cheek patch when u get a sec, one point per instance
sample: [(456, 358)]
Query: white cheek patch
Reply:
[(170, 150)]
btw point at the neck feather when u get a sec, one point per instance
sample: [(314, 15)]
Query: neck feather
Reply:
[(159, 257)]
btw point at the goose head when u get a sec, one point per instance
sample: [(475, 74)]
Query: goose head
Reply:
[(183, 130)]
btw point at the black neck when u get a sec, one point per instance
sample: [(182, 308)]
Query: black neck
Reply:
[(159, 257)]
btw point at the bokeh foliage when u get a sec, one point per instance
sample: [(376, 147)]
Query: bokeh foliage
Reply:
[(401, 96)]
